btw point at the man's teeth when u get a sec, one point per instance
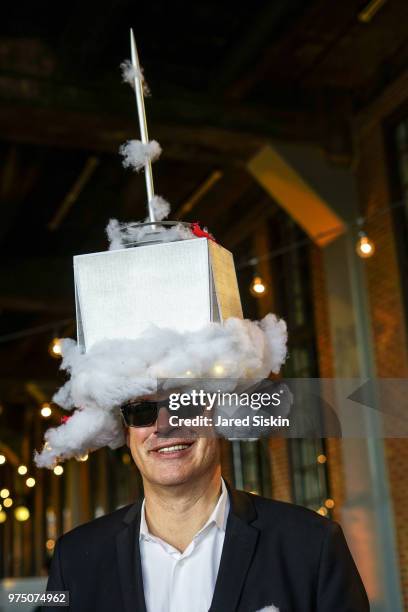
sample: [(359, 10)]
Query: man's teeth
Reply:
[(171, 449)]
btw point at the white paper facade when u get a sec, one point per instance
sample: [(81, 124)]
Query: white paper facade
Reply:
[(181, 285)]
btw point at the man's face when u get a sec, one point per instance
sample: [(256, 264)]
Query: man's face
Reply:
[(173, 460)]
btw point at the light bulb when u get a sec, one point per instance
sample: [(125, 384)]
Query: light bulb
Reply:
[(126, 459), (4, 493), (2, 459), (8, 502), (21, 513), (46, 410), (3, 516), (50, 544), (258, 287), (22, 469), (365, 247), (58, 470), (218, 369), (55, 348), (30, 482)]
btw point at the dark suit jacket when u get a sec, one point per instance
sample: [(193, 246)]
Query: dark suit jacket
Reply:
[(274, 553)]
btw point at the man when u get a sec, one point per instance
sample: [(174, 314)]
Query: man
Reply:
[(163, 303), (195, 545)]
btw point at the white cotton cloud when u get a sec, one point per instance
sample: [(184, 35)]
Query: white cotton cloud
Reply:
[(136, 153), (85, 430), (114, 371), (275, 330), (161, 207), (114, 233), (130, 73), (122, 235)]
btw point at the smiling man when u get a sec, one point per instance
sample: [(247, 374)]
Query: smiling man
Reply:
[(163, 303), (194, 545)]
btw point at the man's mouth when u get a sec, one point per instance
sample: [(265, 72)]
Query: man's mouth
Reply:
[(173, 449)]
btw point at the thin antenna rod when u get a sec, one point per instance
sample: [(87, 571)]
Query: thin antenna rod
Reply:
[(138, 82)]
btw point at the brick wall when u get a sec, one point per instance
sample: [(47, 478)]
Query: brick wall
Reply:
[(383, 283)]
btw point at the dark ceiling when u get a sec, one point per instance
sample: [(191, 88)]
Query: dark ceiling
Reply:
[(225, 78)]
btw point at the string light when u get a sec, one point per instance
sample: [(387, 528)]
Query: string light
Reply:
[(58, 470), (50, 544), (2, 459), (321, 459), (334, 231), (30, 482), (8, 502), (4, 493), (54, 348), (258, 287), (3, 516), (83, 457), (46, 410), (21, 513), (218, 369), (125, 459), (365, 247), (329, 503), (22, 470), (322, 511)]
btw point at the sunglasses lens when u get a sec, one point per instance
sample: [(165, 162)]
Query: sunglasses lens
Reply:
[(189, 412), (144, 413), (140, 414)]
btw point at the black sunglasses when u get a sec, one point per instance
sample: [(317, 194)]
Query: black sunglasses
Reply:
[(144, 413)]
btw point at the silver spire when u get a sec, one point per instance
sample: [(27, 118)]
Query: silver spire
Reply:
[(138, 85)]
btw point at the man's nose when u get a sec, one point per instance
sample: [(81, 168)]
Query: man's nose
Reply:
[(162, 423)]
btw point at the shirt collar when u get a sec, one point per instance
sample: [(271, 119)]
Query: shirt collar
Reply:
[(218, 516)]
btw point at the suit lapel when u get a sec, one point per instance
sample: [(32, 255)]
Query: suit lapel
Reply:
[(130, 567), (238, 550)]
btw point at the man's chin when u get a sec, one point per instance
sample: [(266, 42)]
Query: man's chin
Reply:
[(172, 477)]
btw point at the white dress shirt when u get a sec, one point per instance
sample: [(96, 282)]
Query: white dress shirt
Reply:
[(183, 582)]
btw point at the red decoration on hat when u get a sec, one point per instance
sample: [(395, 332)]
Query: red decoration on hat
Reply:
[(201, 233), (65, 418)]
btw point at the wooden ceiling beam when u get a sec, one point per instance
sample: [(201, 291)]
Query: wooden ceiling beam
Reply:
[(99, 133), (37, 285), (189, 127), (21, 303), (263, 29)]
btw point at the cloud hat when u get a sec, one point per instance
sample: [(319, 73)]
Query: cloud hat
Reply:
[(162, 302)]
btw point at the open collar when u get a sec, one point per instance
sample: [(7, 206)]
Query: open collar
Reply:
[(240, 542), (218, 516)]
